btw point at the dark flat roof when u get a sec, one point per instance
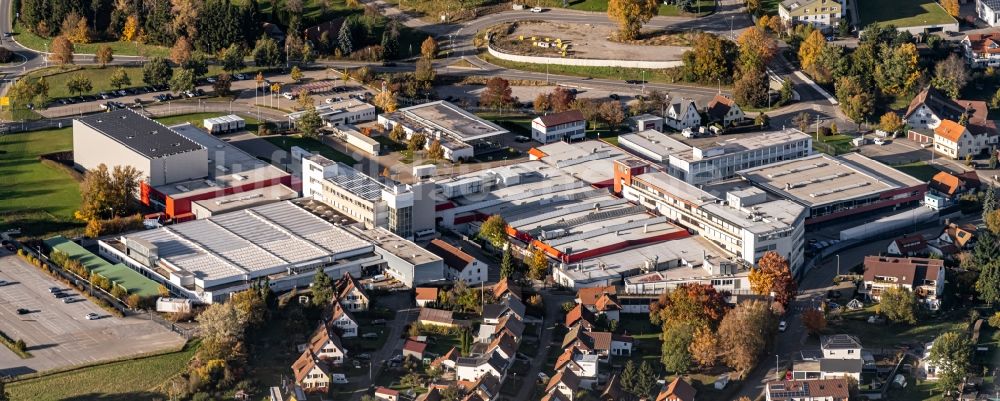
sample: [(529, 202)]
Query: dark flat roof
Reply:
[(143, 135)]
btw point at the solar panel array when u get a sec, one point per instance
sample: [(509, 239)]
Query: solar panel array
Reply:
[(252, 242)]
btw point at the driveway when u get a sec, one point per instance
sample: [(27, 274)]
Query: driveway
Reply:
[(58, 334), (405, 314), (553, 313)]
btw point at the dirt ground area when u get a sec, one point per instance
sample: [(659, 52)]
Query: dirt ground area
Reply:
[(591, 42)]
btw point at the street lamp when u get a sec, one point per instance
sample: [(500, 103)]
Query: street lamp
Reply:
[(838, 265)]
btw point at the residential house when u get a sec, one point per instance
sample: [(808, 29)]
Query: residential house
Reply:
[(343, 320), (325, 344), (908, 245), (724, 110), (582, 316), (563, 126), (613, 390), (928, 369), (599, 343), (808, 390), (953, 186), (957, 141), (506, 288), (492, 313), (677, 390), (436, 317), (425, 296), (840, 346), (584, 366), (644, 122), (472, 368), (840, 356), (683, 114), (989, 11), (458, 264), (505, 345), (621, 345), (982, 49), (414, 349), (822, 14), (487, 388), (350, 293), (312, 374), (930, 107), (930, 110), (925, 277), (448, 359), (387, 394), (962, 236), (601, 301), (510, 325), (431, 395), (564, 382)]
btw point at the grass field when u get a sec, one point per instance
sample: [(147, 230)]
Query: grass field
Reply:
[(36, 197), (100, 78), (35, 42), (903, 13), (706, 7), (287, 141), (919, 170), (833, 144), (136, 379), (770, 7), (888, 334)]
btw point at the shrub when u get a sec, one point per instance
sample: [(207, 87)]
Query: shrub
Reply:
[(20, 346)]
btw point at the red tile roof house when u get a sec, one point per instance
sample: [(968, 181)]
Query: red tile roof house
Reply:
[(414, 349), (677, 390), (909, 245), (387, 394), (925, 277), (425, 296), (459, 264)]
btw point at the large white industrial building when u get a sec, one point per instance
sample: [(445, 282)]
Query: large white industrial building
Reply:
[(462, 135)]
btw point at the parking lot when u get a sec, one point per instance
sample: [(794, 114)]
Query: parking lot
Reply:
[(58, 334)]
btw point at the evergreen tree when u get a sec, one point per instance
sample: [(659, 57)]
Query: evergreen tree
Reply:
[(506, 265), (390, 40), (989, 201), (344, 38), (322, 288), (646, 381), (629, 377), (988, 283)]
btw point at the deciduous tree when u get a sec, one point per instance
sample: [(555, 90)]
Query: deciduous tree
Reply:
[(78, 84), (232, 58), (675, 353), (429, 48), (107, 193), (182, 80), (104, 56), (156, 72), (745, 331), (181, 52), (696, 304), (898, 305), (497, 94), (62, 50), (631, 15), (952, 354), (772, 275), (386, 100), (814, 321), (494, 231), (250, 307), (856, 102), (185, 21), (222, 84), (119, 78), (416, 142), (539, 265), (704, 347), (951, 75), (562, 99), (899, 70), (130, 30), (709, 60), (435, 151), (890, 122), (424, 72), (266, 53), (296, 73), (612, 114), (542, 103), (810, 49), (756, 50), (751, 89), (951, 6)]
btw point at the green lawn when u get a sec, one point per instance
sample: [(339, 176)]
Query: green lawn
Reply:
[(519, 124), (32, 41), (889, 334), (100, 78), (118, 273), (903, 13), (833, 144), (130, 380), (313, 11), (770, 7), (287, 141), (706, 7), (919, 170), (197, 119), (617, 73), (37, 198)]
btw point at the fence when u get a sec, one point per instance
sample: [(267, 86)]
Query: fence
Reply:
[(187, 333)]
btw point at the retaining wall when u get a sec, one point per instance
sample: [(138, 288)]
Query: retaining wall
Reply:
[(582, 61)]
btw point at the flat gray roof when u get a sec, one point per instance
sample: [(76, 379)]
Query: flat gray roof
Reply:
[(139, 133), (651, 142), (590, 161), (254, 197), (396, 245), (822, 179), (251, 243), (451, 120), (228, 166)]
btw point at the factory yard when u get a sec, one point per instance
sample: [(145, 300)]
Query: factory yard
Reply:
[(58, 334)]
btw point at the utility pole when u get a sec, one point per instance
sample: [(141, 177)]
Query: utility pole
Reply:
[(838, 265)]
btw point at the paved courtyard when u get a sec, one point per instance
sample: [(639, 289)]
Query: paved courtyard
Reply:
[(58, 334)]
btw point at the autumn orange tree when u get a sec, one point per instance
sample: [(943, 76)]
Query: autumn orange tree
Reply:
[(497, 94), (890, 122), (951, 6), (810, 49), (745, 331), (631, 15), (696, 304), (62, 50), (756, 50), (704, 347), (814, 321), (773, 274)]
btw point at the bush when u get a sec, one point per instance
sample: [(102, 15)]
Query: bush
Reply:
[(20, 346), (5, 55)]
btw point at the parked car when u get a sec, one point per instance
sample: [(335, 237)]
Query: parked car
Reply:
[(288, 95), (782, 326), (239, 76), (53, 290), (92, 316), (536, 9), (370, 335), (62, 294), (521, 139), (365, 356), (3, 283), (69, 300), (378, 321), (22, 311), (210, 80), (614, 96)]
